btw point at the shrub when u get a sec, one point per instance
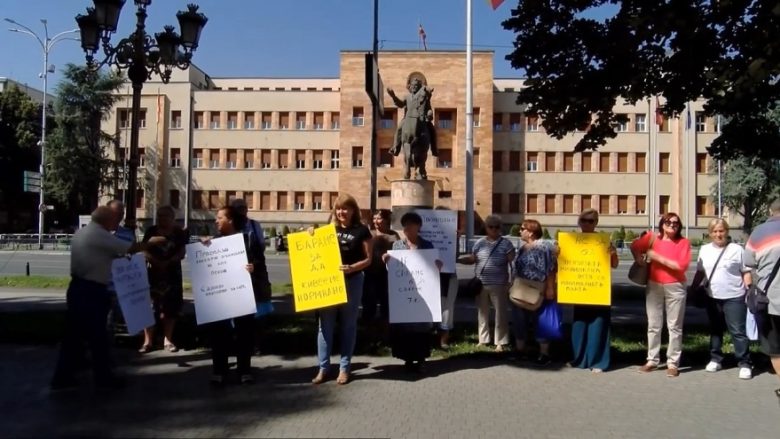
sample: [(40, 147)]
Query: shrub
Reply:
[(546, 234), (630, 235), (515, 230)]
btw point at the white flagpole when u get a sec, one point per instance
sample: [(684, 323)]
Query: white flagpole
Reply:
[(651, 164), (469, 133), (686, 161), (720, 192)]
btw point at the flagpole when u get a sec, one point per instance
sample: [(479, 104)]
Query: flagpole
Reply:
[(469, 133), (651, 162), (687, 174), (720, 192)]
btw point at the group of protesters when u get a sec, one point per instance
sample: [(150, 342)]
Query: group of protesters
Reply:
[(724, 273)]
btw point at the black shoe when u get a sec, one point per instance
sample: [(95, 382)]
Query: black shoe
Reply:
[(542, 360)]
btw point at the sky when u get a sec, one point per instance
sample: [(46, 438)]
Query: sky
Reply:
[(264, 38)]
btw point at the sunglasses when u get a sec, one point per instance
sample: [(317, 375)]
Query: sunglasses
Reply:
[(672, 223), (494, 227), (587, 221)]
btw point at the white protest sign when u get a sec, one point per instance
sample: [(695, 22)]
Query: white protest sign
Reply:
[(441, 228), (413, 281), (221, 286), (131, 282)]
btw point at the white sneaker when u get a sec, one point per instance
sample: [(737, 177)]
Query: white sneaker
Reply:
[(745, 373), (713, 366)]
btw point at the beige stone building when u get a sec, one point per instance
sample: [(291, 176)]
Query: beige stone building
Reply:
[(288, 146)]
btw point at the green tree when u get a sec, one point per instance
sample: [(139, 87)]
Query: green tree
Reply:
[(582, 57), (20, 129), (749, 185), (619, 235), (76, 153), (514, 230)]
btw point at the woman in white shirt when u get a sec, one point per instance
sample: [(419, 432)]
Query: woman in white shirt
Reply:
[(726, 308)]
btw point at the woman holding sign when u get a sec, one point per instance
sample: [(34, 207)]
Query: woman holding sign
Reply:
[(355, 249), (590, 326), (668, 254)]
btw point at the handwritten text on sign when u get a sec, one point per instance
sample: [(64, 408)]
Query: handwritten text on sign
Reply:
[(221, 286), (441, 228), (413, 281), (584, 273), (314, 265), (131, 282)]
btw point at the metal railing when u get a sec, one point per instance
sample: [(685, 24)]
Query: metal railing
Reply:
[(29, 241)]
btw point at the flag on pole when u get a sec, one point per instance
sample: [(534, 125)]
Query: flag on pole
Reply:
[(495, 3), (688, 118), (421, 32), (659, 116)]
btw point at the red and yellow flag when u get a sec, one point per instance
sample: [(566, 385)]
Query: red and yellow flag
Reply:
[(495, 3)]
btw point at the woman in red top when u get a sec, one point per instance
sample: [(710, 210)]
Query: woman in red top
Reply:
[(668, 254)]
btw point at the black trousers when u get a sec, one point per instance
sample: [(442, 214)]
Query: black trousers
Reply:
[(222, 334)]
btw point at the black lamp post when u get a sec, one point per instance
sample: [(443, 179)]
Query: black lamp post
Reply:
[(142, 56)]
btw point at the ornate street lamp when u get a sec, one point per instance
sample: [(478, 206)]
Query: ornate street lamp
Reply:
[(142, 56)]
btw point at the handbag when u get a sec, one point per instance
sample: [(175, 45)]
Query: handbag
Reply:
[(756, 298), (473, 287), (526, 294), (639, 274), (549, 322), (700, 296)]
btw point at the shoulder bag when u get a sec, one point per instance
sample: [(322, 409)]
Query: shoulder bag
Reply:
[(639, 274), (756, 298), (701, 295), (473, 287)]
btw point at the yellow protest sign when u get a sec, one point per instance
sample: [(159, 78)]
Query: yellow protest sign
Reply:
[(314, 264), (584, 272)]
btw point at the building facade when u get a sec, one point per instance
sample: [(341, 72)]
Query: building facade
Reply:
[(289, 146)]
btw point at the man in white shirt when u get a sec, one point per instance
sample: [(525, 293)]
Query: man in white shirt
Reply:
[(93, 249)]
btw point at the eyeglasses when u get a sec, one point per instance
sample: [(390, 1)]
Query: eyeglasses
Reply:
[(587, 220), (672, 223), (494, 227)]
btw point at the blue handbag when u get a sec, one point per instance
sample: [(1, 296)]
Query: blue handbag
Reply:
[(549, 322)]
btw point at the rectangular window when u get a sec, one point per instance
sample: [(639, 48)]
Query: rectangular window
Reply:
[(232, 159), (319, 120), (200, 120), (142, 157), (514, 160), (357, 117), (498, 161), (497, 203), (604, 204), (300, 201), (388, 119), (197, 155), (702, 206), (232, 122), (318, 161), (701, 163), (249, 121), (475, 158), (284, 121), (381, 194), (549, 162), (641, 162), (142, 121), (444, 119), (663, 162), (214, 120), (123, 116), (622, 204), (532, 123), (174, 159), (335, 122), (214, 200), (176, 119), (622, 162), (531, 203), (532, 161), (640, 123), (445, 194), (641, 204), (214, 158), (300, 159), (386, 159), (587, 162), (586, 202), (514, 203), (621, 127), (549, 203), (230, 195), (568, 204), (334, 159), (663, 204), (357, 156), (249, 199), (300, 120), (265, 200), (445, 158), (284, 159), (701, 123), (568, 161), (174, 198), (515, 122), (497, 122), (316, 201), (197, 200), (281, 201), (603, 162), (265, 120), (475, 117), (265, 159), (249, 159)]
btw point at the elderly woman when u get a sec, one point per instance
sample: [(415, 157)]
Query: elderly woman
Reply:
[(669, 255), (492, 255), (721, 267), (535, 262), (590, 324)]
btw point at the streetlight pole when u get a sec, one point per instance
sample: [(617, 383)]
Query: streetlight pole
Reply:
[(46, 44), (142, 56)]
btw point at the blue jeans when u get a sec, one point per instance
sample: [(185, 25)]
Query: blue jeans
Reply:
[(348, 318), (728, 314)]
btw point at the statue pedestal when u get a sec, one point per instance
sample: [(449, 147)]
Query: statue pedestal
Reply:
[(407, 195)]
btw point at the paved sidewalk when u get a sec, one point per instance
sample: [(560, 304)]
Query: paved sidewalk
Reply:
[(169, 396)]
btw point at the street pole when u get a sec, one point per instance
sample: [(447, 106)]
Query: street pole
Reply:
[(375, 113), (46, 45), (469, 133)]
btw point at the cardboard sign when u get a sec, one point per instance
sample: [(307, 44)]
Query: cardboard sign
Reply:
[(441, 228), (131, 282), (314, 265), (413, 281), (584, 272)]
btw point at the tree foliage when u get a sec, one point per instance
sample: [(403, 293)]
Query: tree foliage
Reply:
[(749, 186), (578, 67), (76, 153)]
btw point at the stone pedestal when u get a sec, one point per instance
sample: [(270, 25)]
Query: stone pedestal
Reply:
[(406, 195)]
